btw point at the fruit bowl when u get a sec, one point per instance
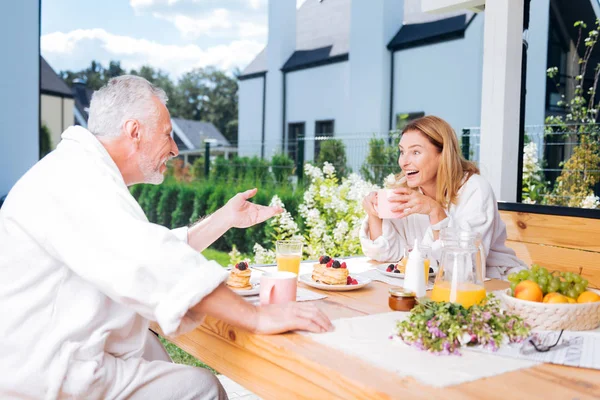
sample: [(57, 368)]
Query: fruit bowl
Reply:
[(547, 316)]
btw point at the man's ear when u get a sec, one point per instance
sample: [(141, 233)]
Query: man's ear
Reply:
[(131, 127)]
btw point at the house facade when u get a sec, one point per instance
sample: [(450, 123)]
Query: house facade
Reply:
[(56, 102), (354, 69)]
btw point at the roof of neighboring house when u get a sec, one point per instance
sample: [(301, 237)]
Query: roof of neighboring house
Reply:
[(51, 83), (82, 95), (193, 133), (323, 34)]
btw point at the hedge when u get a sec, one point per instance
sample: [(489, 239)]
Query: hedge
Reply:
[(174, 204)]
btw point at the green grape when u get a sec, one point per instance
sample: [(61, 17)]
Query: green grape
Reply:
[(523, 275), (577, 278), (513, 277), (584, 282), (556, 281), (568, 277), (564, 286), (534, 267), (578, 287), (553, 286), (572, 293), (534, 278), (543, 271), (513, 285), (544, 288), (542, 280)]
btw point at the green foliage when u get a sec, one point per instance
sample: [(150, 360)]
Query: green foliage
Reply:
[(381, 161), (334, 151), (181, 357), (45, 141), (257, 171), (167, 204), (220, 169), (185, 206), (282, 167), (197, 170), (534, 188), (574, 187)]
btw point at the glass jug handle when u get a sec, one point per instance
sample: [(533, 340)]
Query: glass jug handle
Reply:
[(483, 263)]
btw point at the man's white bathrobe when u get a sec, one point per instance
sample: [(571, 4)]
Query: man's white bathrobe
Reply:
[(82, 273)]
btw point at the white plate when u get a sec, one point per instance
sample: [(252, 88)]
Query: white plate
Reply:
[(307, 279), (248, 292), (382, 269)]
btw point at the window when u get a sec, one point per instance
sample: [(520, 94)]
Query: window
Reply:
[(322, 129), (295, 132)]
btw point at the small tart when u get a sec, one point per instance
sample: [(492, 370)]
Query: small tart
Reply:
[(329, 276), (239, 280)]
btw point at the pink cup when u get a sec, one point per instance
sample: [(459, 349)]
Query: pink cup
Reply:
[(384, 207), (278, 287)]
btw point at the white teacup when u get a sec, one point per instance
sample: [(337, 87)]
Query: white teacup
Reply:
[(384, 206)]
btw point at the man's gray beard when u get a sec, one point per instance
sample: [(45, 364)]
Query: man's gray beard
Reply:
[(151, 174)]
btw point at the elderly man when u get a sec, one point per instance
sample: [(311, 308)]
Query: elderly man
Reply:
[(83, 272)]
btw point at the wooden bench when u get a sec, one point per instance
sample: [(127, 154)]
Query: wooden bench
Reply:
[(558, 238)]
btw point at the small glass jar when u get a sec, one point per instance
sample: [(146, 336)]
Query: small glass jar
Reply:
[(401, 300)]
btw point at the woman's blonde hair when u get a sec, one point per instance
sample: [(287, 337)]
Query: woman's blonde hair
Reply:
[(453, 170)]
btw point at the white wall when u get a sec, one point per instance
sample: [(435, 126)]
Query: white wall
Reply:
[(373, 25), (250, 112), (317, 94), (57, 115), (19, 85), (442, 79)]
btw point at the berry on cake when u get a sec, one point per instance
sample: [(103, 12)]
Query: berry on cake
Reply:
[(239, 277), (332, 272)]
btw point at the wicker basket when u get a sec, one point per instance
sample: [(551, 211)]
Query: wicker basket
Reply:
[(574, 317)]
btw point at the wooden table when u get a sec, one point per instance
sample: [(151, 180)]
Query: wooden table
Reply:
[(292, 366)]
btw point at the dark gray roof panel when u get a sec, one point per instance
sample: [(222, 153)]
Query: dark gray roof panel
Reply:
[(322, 32), (51, 83), (198, 131), (429, 32)]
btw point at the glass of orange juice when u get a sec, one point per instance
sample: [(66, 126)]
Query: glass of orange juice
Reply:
[(288, 254)]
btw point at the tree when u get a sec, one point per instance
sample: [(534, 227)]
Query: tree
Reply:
[(334, 152), (381, 161), (45, 141), (211, 95)]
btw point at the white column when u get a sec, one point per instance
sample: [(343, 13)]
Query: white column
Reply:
[(281, 44), (19, 88), (372, 25), (500, 102)]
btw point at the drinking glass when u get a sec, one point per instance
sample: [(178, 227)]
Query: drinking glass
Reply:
[(288, 254)]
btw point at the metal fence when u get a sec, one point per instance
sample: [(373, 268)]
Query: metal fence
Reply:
[(374, 156)]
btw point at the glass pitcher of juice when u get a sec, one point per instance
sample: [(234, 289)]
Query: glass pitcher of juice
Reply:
[(460, 276)]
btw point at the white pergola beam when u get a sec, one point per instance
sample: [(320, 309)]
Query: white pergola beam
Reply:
[(444, 6), (501, 96)]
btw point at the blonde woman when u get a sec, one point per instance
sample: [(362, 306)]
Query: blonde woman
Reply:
[(442, 190)]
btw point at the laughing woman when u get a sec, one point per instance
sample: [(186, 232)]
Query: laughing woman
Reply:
[(442, 190)]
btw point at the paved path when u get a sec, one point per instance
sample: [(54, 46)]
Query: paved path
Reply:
[(235, 391)]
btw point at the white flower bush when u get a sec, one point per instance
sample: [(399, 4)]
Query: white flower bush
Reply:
[(331, 212), (591, 201)]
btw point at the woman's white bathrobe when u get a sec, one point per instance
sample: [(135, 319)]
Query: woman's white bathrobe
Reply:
[(476, 209), (82, 273)]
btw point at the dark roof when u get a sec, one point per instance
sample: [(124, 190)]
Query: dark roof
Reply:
[(323, 33), (82, 96), (322, 36), (198, 131), (51, 83), (413, 35)]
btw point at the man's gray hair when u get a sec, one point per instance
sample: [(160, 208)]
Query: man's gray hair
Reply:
[(122, 98)]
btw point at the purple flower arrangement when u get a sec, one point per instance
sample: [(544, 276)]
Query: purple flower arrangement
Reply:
[(442, 328)]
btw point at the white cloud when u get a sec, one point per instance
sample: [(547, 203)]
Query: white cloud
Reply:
[(211, 25), (82, 45)]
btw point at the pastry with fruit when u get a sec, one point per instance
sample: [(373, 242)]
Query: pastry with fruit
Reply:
[(239, 277), (332, 272)]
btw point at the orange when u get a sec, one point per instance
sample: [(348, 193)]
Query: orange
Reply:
[(555, 298), (571, 300), (529, 290), (588, 297)]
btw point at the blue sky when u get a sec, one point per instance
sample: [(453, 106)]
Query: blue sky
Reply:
[(173, 35)]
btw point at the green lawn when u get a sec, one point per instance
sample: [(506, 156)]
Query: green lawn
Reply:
[(179, 356)]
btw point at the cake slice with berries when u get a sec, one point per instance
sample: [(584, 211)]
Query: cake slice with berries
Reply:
[(330, 271), (239, 277)]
